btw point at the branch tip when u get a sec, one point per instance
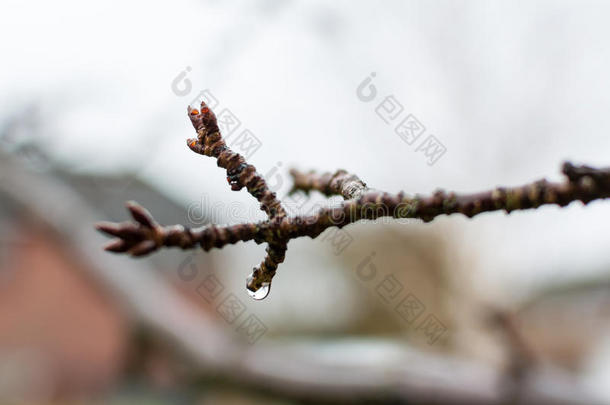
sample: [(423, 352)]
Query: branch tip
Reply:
[(141, 214)]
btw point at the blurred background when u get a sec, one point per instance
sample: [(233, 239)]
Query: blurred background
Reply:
[(497, 309)]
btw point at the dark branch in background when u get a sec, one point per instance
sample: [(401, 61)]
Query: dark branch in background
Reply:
[(583, 183), (269, 365), (522, 359)]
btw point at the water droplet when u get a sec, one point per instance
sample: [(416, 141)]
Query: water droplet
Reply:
[(261, 293)]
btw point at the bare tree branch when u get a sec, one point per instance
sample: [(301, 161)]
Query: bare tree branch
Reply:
[(583, 183)]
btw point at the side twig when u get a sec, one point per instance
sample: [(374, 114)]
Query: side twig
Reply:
[(240, 174), (583, 183)]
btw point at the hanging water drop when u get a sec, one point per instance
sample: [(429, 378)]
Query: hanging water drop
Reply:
[(261, 293)]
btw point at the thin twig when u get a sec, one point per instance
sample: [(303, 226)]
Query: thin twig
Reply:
[(240, 174)]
